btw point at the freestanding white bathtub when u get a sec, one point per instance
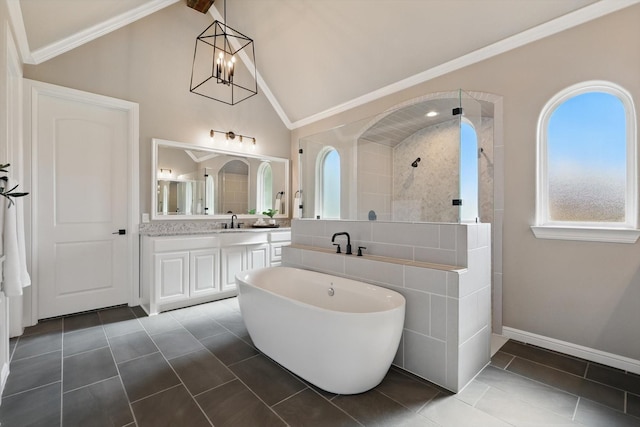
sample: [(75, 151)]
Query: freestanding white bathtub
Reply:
[(339, 334)]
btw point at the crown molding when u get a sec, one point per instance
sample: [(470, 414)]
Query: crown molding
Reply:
[(19, 31), (580, 16), (54, 49)]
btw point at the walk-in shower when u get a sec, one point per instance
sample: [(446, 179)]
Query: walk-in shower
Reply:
[(447, 181)]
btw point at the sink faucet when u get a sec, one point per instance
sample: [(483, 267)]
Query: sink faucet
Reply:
[(344, 233), (232, 217)]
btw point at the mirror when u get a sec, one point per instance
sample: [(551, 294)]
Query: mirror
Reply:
[(192, 181)]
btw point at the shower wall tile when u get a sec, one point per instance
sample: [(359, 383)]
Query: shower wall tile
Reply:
[(472, 236), (425, 235), (436, 256), (426, 280), (398, 360), (307, 227), (468, 317), (453, 284), (426, 357), (417, 311), (291, 257), (448, 238), (387, 250), (438, 319), (358, 230), (374, 271), (326, 263), (452, 343), (473, 356), (301, 239)]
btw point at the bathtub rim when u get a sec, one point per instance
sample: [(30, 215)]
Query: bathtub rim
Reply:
[(402, 303)]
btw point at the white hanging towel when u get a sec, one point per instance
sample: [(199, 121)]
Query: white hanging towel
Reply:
[(297, 212), (15, 274)]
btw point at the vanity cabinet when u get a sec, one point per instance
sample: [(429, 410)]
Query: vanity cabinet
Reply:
[(244, 257), (278, 240), (178, 271)]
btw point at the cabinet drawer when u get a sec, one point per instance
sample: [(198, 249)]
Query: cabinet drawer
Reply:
[(280, 236), (164, 244)]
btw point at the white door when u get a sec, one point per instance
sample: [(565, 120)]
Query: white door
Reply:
[(82, 176)]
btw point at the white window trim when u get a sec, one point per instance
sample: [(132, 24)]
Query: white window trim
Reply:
[(626, 232)]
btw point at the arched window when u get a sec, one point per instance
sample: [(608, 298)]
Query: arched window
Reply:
[(468, 172), (587, 173), (265, 187), (328, 183)]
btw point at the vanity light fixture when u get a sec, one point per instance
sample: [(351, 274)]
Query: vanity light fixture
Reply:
[(230, 135), (224, 66)]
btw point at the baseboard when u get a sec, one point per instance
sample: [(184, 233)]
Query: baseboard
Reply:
[(591, 354), (3, 379)]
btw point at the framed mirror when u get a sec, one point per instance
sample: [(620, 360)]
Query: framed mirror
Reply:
[(192, 181)]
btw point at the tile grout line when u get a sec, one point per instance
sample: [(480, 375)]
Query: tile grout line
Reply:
[(575, 410), (193, 399), (260, 399), (62, 374), (124, 389)]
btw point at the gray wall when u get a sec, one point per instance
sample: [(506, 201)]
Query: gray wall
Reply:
[(139, 63), (579, 292)]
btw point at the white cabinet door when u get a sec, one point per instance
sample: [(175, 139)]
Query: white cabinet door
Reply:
[(276, 253), (234, 260), (204, 272), (257, 256), (172, 276)]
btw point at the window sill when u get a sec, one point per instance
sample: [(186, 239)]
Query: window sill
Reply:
[(610, 235)]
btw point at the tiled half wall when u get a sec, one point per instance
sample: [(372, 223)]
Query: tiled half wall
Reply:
[(444, 273)]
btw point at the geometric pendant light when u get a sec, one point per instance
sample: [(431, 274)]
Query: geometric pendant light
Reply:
[(220, 59)]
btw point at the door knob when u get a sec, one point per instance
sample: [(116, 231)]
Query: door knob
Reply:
[(120, 232)]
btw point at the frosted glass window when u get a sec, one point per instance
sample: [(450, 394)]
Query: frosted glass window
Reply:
[(586, 158), (468, 172), (328, 183), (265, 187)]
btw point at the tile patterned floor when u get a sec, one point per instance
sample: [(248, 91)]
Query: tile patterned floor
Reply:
[(197, 367)]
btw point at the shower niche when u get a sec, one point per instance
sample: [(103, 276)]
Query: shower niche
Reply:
[(427, 160)]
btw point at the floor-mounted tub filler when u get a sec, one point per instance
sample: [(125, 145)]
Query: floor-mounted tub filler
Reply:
[(339, 334)]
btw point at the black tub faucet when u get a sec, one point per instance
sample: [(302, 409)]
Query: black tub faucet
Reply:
[(344, 233)]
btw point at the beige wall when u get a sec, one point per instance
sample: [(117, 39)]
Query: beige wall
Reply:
[(579, 292), (149, 62)]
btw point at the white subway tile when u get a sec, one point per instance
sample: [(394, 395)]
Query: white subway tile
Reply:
[(453, 284), (374, 271), (472, 236), (417, 310), (307, 227), (437, 256), (438, 317), (448, 236), (473, 356), (468, 317), (358, 230), (452, 340), (425, 357), (425, 279), (327, 263), (392, 251), (425, 235)]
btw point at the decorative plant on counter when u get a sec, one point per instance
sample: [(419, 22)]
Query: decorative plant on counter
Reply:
[(251, 211), (270, 213), (10, 193)]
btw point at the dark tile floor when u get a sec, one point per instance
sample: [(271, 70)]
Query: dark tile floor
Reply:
[(197, 367)]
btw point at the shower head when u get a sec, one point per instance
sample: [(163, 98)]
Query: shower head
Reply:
[(415, 162)]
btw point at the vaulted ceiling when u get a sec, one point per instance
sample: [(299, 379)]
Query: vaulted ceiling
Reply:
[(318, 57)]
